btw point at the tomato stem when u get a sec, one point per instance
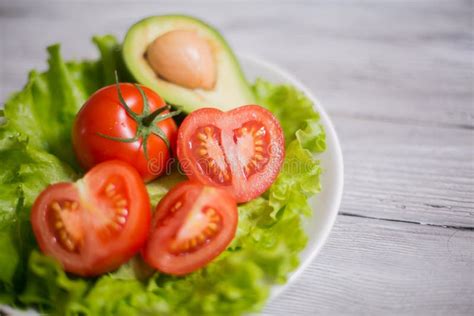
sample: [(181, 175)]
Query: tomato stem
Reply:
[(146, 122), (122, 101)]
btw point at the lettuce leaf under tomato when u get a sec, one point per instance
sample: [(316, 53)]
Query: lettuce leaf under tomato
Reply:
[(25, 172), (299, 177), (35, 150), (44, 110)]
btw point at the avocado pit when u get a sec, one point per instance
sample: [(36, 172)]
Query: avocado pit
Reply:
[(183, 58)]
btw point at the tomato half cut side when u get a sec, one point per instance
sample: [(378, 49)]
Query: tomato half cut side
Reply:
[(192, 225), (241, 150), (96, 224)]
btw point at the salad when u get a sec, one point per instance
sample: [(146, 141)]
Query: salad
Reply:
[(154, 180)]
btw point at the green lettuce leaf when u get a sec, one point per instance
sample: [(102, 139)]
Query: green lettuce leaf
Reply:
[(35, 151), (288, 104), (297, 181), (26, 172), (50, 288), (158, 188), (45, 109), (304, 135)]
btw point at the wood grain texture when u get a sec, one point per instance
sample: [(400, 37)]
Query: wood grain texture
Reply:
[(374, 267), (415, 173), (397, 78)]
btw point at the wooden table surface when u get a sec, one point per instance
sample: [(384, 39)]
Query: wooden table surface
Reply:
[(397, 79)]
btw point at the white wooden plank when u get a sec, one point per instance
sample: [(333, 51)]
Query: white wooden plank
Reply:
[(373, 267), (415, 173)]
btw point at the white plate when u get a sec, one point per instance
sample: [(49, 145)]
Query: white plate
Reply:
[(326, 204)]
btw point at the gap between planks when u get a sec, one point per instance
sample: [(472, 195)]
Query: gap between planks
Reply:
[(466, 228)]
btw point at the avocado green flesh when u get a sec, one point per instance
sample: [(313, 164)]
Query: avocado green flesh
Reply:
[(231, 89)]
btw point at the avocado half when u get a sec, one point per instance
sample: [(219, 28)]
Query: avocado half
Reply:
[(231, 90)]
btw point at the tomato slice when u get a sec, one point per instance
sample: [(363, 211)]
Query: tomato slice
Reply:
[(241, 150), (96, 224), (192, 225)]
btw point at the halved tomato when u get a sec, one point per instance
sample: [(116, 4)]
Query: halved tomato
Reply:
[(192, 225), (241, 150), (96, 224)]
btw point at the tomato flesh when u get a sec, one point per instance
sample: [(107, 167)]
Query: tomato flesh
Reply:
[(206, 148), (192, 225), (241, 150), (96, 224)]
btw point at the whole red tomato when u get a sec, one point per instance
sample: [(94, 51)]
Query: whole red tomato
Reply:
[(127, 122)]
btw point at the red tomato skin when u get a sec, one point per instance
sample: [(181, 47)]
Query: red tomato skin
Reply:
[(155, 251), (97, 256), (103, 114), (243, 191)]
